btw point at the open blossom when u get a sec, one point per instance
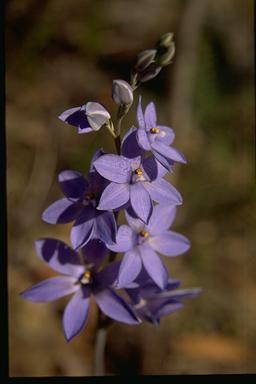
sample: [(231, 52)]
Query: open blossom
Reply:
[(140, 243), (151, 303), (156, 138), (86, 118), (79, 205), (81, 280), (134, 181)]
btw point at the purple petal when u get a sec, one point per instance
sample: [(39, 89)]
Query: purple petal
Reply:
[(50, 289), (140, 116), (115, 307), (114, 196), (140, 201), (75, 314), (83, 227), (136, 224), (167, 309), (164, 162), (130, 268), (154, 266), (61, 212), (169, 152), (69, 112), (170, 243), (135, 162), (129, 146), (60, 257), (152, 168), (150, 116), (73, 184), (94, 252), (142, 139), (181, 293), (114, 168), (163, 192), (107, 276), (125, 239), (97, 183), (96, 155), (161, 219), (165, 135), (106, 227), (77, 118)]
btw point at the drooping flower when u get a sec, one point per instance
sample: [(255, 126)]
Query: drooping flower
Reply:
[(135, 181), (84, 281), (79, 205), (86, 118), (140, 243), (156, 138), (151, 303)]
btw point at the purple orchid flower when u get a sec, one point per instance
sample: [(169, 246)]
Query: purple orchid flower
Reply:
[(87, 118), (135, 181), (82, 280), (140, 241), (151, 303), (156, 138), (79, 205)]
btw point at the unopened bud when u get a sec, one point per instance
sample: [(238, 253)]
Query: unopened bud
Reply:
[(144, 59), (165, 58), (96, 115), (122, 92), (165, 40), (150, 72)]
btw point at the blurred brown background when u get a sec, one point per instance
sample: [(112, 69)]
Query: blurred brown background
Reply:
[(63, 53)]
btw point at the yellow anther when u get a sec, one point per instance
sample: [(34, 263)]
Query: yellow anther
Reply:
[(138, 171), (154, 130), (87, 275), (144, 234)]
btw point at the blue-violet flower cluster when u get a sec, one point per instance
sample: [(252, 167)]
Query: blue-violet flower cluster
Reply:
[(134, 286)]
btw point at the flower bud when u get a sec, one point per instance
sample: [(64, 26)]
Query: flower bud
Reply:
[(144, 59), (165, 58), (122, 92), (96, 115), (149, 73), (165, 40)]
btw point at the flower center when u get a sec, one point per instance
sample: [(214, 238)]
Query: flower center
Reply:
[(144, 234), (154, 130), (89, 196), (138, 171), (86, 277)]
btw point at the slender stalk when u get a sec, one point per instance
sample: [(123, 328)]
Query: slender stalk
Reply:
[(118, 144), (103, 321), (101, 337)]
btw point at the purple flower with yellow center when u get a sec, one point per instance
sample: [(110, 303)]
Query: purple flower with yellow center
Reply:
[(156, 138), (81, 279), (86, 118), (79, 205), (140, 243), (151, 303), (134, 181)]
